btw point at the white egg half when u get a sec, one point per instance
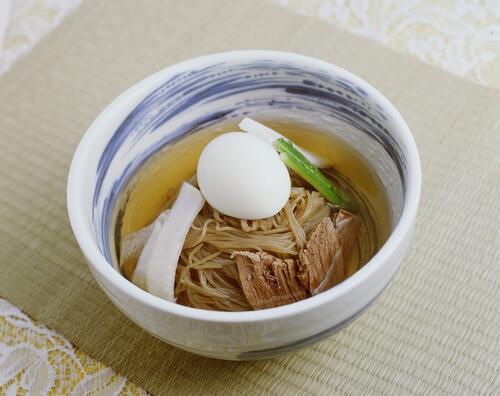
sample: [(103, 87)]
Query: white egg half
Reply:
[(241, 175)]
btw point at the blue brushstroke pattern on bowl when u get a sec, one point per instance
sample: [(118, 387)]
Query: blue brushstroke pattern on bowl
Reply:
[(197, 99)]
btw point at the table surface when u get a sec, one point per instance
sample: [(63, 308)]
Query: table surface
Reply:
[(461, 37)]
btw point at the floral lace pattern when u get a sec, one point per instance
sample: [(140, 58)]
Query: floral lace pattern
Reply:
[(459, 36), (28, 22), (36, 360)]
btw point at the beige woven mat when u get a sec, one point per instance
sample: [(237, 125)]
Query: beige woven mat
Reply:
[(435, 329)]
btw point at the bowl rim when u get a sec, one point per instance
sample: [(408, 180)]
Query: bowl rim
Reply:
[(98, 262)]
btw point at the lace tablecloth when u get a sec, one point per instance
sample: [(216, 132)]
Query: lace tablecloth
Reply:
[(461, 37)]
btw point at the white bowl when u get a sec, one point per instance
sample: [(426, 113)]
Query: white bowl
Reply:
[(199, 92)]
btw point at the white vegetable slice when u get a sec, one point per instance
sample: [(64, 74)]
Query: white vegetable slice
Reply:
[(163, 248), (270, 135), (132, 244), (139, 276)]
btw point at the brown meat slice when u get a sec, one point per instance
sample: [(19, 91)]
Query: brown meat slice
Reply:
[(347, 226), (321, 262), (268, 281), (320, 256), (285, 272)]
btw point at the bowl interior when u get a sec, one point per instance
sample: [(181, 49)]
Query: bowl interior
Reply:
[(205, 93)]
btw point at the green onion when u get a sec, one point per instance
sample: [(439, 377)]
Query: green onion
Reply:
[(296, 161)]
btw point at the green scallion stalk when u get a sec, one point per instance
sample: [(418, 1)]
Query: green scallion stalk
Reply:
[(296, 161)]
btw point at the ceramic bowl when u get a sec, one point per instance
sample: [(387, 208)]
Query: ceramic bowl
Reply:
[(198, 93)]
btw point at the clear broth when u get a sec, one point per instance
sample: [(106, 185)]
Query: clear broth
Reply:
[(155, 185)]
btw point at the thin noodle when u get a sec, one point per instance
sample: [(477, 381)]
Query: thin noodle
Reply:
[(208, 278)]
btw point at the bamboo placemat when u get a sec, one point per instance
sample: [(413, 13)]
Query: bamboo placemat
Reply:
[(435, 329)]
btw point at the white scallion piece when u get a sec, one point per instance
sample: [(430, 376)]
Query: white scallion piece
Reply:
[(139, 276), (132, 244), (270, 135), (157, 264)]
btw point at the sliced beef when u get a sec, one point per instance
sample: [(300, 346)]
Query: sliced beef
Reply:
[(322, 261), (268, 281), (285, 272), (319, 257), (347, 227)]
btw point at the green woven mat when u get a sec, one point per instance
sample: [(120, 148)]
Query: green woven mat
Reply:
[(435, 329)]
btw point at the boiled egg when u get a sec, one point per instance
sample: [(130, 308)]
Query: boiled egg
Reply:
[(241, 175)]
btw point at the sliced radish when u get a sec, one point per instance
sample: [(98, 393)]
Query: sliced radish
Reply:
[(155, 271), (270, 135), (139, 276), (132, 244)]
